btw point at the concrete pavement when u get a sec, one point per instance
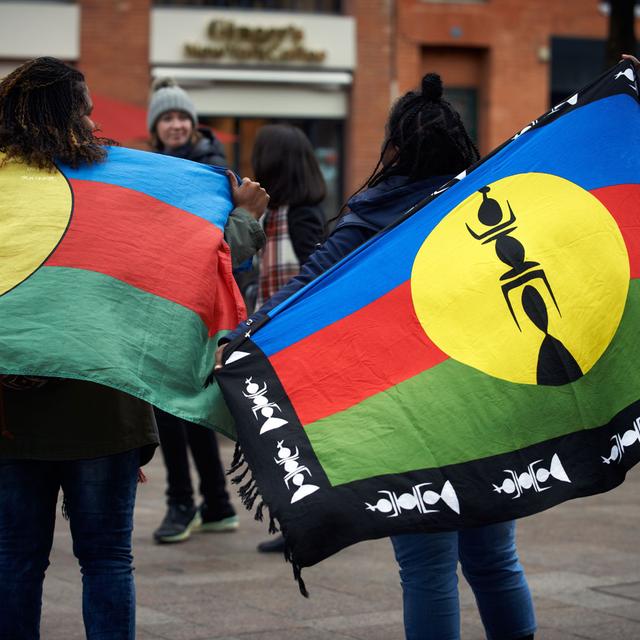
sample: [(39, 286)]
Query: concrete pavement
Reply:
[(582, 561)]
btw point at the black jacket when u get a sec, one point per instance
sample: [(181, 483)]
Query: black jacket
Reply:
[(369, 212), (306, 230), (207, 150)]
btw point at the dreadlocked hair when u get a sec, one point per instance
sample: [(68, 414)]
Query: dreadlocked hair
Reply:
[(427, 137), (42, 108)]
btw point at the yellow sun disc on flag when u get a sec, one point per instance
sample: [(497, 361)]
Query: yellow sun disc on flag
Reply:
[(35, 209), (525, 280)]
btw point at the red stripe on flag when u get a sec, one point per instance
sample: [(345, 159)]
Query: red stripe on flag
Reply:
[(365, 353), (623, 202), (152, 246), (383, 343)]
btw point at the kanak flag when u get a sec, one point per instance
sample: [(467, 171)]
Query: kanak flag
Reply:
[(474, 363), (118, 273)]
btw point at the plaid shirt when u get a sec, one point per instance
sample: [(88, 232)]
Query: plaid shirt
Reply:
[(278, 260)]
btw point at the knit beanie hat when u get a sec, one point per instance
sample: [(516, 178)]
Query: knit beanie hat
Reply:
[(168, 96)]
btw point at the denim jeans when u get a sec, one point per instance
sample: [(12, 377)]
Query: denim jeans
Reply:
[(99, 496), (489, 562)]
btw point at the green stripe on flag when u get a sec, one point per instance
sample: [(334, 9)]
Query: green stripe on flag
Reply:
[(80, 324), (424, 422)]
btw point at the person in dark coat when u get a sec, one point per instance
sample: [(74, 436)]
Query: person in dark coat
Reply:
[(172, 121), (173, 125), (426, 144), (84, 438), (285, 164)]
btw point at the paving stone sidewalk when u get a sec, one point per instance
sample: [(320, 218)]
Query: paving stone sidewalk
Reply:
[(582, 561)]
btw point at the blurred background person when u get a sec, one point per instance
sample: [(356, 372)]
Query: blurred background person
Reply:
[(173, 125), (285, 165)]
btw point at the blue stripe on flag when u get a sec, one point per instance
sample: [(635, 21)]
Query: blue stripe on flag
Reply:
[(199, 189), (593, 146)]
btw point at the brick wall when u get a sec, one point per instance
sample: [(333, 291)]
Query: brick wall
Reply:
[(497, 46), (372, 89), (114, 48), (510, 39)]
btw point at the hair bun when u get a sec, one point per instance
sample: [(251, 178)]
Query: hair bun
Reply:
[(432, 87)]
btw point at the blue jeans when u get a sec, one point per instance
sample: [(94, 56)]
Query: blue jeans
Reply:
[(489, 562), (99, 495)]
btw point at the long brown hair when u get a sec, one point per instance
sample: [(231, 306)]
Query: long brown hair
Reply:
[(43, 104), (286, 166)]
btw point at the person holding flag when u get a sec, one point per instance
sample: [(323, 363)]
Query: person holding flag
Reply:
[(86, 438), (425, 145), (173, 124)]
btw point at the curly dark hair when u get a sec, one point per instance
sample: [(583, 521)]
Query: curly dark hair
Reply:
[(43, 104), (424, 136)]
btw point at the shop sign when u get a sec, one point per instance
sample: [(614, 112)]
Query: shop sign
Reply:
[(240, 43)]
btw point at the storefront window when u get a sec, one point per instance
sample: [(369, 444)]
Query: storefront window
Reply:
[(574, 62), (304, 6)]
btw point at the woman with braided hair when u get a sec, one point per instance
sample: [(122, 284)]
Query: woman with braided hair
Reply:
[(50, 426), (46, 112), (86, 439), (426, 144)]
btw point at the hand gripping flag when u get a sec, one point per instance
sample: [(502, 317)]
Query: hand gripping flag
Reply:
[(118, 273), (472, 364)]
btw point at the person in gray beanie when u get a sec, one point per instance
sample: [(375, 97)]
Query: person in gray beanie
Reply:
[(172, 121), (173, 124)]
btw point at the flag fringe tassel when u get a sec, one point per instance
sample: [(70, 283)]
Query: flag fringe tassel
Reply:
[(249, 492)]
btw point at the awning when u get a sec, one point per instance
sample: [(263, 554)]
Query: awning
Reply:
[(270, 76)]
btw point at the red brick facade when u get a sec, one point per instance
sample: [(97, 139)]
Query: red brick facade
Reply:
[(114, 48), (499, 47), (371, 92)]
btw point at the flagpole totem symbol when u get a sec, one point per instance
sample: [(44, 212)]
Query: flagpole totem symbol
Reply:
[(262, 405), (295, 472), (420, 499), (623, 442), (556, 365), (533, 478)]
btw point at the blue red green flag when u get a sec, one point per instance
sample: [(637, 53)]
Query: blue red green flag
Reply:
[(475, 362), (118, 273)]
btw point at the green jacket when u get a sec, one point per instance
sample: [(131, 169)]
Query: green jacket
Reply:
[(244, 235)]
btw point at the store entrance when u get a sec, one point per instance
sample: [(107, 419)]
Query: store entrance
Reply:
[(326, 136)]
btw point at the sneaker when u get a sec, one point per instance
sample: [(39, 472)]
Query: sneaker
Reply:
[(220, 520), (224, 525), (275, 545), (177, 525)]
